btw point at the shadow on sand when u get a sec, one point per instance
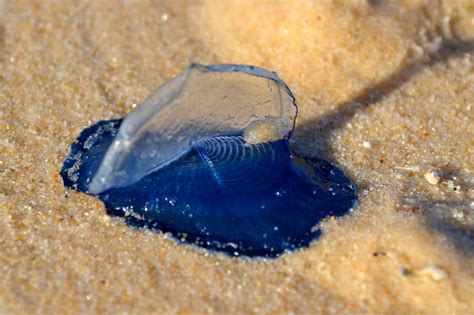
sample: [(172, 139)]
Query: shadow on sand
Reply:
[(321, 128)]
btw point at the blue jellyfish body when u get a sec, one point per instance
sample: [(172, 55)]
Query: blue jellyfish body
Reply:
[(220, 193)]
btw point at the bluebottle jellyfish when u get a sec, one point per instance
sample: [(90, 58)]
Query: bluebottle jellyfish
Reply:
[(206, 158)]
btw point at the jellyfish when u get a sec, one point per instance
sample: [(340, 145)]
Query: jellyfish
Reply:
[(206, 159)]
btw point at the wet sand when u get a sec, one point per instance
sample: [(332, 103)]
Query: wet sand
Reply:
[(385, 91)]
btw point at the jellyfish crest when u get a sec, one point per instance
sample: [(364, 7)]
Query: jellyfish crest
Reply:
[(200, 103)]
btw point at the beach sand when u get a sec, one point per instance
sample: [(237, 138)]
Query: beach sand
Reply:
[(385, 90)]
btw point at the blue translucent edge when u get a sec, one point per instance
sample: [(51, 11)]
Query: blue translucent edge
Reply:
[(281, 216)]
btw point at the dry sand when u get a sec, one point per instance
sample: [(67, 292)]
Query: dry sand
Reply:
[(386, 91)]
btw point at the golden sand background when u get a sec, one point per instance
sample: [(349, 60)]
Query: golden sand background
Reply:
[(385, 89)]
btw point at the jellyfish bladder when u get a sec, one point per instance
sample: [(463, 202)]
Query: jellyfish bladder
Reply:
[(206, 158)]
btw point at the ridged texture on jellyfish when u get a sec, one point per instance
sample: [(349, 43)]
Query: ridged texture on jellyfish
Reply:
[(202, 102), (222, 194)]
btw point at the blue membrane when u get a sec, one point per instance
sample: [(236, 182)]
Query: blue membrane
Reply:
[(223, 195)]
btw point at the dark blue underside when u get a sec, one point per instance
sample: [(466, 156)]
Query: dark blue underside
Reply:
[(261, 206)]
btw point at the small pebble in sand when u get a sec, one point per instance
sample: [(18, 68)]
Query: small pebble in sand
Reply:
[(432, 177), (406, 272), (366, 144), (456, 188), (434, 272)]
